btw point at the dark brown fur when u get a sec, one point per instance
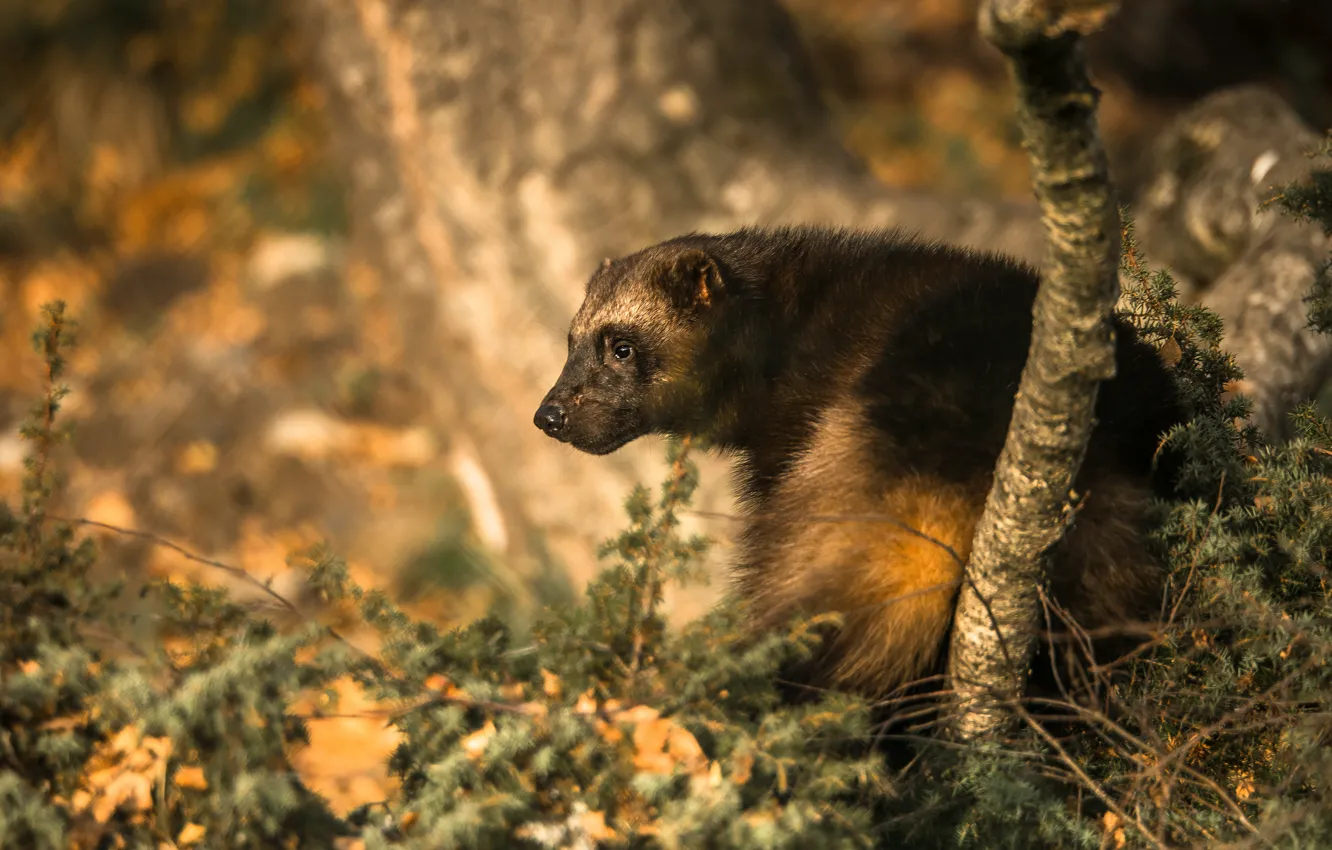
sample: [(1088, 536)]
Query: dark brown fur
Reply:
[(865, 382)]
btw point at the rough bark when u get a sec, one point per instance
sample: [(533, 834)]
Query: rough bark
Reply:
[(498, 150), (1203, 216), (1072, 351)]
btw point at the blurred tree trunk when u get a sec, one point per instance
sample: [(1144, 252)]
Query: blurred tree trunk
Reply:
[(498, 150)]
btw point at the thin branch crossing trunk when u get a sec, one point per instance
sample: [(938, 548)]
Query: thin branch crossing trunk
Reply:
[(1072, 351)]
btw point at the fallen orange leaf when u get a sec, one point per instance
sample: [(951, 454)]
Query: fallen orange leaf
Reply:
[(475, 744), (191, 777)]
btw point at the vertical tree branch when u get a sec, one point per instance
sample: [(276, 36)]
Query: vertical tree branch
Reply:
[(1072, 351)]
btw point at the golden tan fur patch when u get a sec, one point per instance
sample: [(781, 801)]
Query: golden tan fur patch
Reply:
[(888, 557)]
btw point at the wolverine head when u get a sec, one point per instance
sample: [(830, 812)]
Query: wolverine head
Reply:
[(632, 349)]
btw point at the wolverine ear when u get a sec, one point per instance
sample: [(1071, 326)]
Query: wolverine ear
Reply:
[(694, 279)]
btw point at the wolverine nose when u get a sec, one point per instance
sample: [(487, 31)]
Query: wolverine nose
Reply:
[(549, 418)]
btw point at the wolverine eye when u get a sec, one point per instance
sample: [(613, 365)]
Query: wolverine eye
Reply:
[(622, 350)]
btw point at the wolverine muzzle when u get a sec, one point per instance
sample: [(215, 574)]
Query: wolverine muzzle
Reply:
[(549, 418)]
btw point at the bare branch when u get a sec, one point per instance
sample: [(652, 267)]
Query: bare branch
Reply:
[(1072, 350)]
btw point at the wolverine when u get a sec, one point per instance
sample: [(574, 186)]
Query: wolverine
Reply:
[(864, 383)]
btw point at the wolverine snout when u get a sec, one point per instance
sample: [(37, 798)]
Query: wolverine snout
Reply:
[(549, 418)]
